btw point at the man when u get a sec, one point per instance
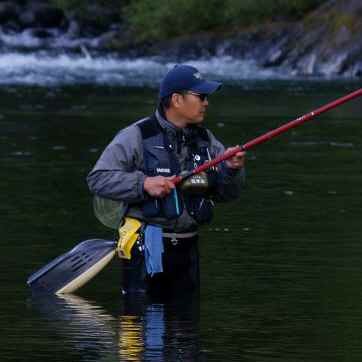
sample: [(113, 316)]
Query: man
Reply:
[(137, 168)]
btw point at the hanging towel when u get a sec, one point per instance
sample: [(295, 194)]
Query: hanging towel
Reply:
[(153, 249)]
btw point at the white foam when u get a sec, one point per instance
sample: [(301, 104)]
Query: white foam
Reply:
[(44, 68), (54, 39)]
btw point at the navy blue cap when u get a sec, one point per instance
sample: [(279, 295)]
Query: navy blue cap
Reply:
[(186, 78)]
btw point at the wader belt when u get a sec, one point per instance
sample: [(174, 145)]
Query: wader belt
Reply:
[(180, 235), (175, 237)]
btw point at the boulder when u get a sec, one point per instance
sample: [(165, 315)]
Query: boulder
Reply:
[(45, 16), (9, 11)]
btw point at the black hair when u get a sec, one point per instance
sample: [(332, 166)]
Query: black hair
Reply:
[(165, 102)]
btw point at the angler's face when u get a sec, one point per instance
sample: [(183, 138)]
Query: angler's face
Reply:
[(193, 107)]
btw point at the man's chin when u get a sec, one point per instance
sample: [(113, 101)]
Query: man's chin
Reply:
[(197, 120)]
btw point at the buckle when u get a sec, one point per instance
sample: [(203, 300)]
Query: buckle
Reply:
[(174, 240)]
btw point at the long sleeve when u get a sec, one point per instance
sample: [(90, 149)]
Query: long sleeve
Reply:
[(230, 181), (117, 174)]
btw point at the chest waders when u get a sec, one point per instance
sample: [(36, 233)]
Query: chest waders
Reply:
[(181, 260)]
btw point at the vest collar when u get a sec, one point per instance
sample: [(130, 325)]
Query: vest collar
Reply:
[(165, 124), (170, 129)]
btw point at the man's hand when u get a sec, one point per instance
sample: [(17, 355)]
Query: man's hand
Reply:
[(237, 161), (158, 186)]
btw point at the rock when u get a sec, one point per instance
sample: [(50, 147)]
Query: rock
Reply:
[(27, 18), (8, 12), (73, 30), (48, 16), (95, 19), (357, 70), (11, 28), (18, 2), (343, 36), (187, 47), (107, 39), (32, 14), (326, 40), (41, 33)]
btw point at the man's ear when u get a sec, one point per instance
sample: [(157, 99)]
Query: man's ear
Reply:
[(176, 100)]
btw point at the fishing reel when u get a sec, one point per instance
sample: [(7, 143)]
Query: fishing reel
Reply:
[(198, 184)]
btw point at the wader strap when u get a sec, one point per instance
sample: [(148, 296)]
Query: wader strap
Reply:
[(175, 237), (180, 235)]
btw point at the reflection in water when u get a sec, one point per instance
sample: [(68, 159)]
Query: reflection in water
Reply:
[(131, 344), (281, 267), (86, 328), (143, 330), (159, 330)]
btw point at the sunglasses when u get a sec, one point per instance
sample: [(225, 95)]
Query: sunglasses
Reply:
[(201, 96)]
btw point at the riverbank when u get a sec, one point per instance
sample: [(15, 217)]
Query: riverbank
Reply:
[(324, 43)]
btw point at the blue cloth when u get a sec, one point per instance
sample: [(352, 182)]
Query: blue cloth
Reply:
[(153, 249)]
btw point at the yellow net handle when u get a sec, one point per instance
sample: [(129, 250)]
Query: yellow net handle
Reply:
[(127, 237)]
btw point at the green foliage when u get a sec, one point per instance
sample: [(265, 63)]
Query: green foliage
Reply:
[(164, 18), (250, 11)]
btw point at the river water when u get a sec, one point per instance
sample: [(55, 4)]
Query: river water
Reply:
[(281, 267)]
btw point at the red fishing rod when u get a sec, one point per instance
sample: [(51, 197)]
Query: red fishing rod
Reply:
[(269, 135)]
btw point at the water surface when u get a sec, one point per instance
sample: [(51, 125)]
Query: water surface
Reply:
[(281, 267)]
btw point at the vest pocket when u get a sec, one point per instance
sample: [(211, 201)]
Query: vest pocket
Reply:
[(151, 207), (200, 209), (172, 206), (169, 207)]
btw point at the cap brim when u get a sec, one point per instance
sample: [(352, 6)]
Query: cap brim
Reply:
[(207, 87)]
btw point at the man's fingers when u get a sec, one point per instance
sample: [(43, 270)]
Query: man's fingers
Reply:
[(170, 184), (165, 187), (158, 186), (172, 179), (238, 160), (239, 156)]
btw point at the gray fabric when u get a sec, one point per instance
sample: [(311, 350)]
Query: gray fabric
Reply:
[(118, 173)]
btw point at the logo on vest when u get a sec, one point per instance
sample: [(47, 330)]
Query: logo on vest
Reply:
[(163, 170)]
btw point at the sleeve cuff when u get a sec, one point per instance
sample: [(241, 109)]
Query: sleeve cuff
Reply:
[(231, 174), (140, 186), (232, 171)]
